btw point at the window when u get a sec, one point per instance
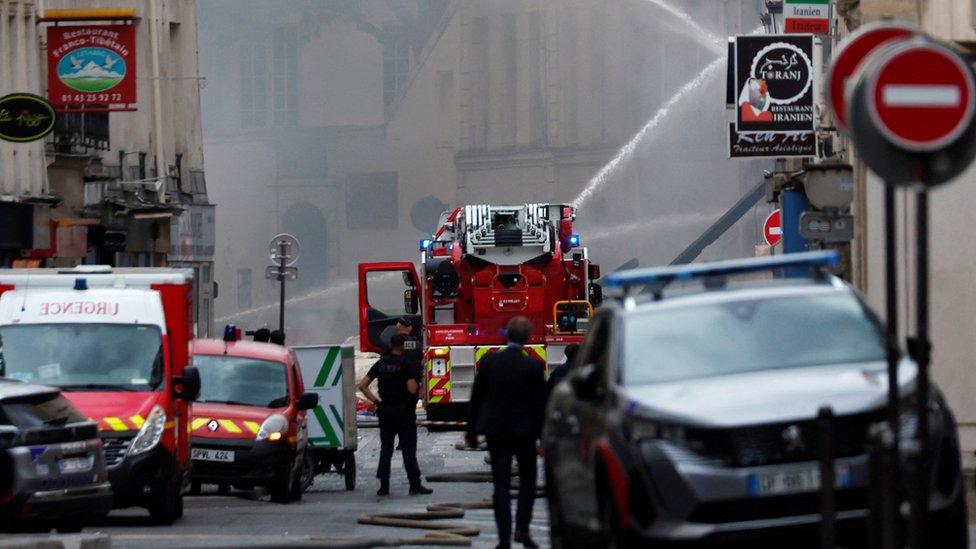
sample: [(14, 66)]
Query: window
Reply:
[(238, 380), (243, 288), (749, 335), (85, 356), (396, 67), (284, 79), (372, 201), (254, 86)]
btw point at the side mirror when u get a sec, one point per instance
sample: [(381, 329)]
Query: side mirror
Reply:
[(187, 386), (410, 301), (596, 294), (593, 271), (586, 382), (308, 401), (216, 289)]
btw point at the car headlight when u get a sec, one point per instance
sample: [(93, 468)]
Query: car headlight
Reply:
[(151, 432), (639, 429), (274, 428)]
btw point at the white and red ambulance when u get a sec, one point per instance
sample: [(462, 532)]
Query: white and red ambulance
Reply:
[(116, 342)]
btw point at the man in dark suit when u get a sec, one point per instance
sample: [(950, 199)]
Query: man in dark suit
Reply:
[(507, 406)]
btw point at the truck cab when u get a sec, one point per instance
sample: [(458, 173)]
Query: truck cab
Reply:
[(249, 426), (115, 341)]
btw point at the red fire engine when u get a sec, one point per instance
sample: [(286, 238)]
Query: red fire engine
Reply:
[(484, 265)]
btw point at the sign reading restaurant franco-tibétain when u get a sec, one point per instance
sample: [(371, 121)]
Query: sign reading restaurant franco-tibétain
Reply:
[(91, 65), (25, 117), (774, 78)]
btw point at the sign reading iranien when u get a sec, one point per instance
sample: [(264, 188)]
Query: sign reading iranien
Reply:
[(806, 16), (91, 66)]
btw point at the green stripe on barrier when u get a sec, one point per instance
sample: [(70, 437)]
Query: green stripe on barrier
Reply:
[(330, 434), (326, 370), (338, 418)]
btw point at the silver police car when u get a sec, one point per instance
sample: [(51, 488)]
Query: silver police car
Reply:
[(52, 471), (691, 414)]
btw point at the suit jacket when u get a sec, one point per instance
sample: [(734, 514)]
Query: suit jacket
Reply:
[(509, 396)]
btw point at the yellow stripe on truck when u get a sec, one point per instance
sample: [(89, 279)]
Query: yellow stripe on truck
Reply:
[(252, 426), (229, 425), (137, 421), (197, 423), (116, 424)]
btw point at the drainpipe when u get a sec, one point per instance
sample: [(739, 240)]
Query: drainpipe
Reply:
[(157, 100)]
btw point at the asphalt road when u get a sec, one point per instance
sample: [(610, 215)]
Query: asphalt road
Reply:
[(327, 511)]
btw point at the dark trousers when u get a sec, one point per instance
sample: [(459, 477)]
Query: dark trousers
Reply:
[(502, 450), (398, 422)]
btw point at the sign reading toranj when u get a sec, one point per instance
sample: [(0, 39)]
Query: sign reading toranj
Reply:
[(25, 117), (807, 16), (774, 79), (92, 65)]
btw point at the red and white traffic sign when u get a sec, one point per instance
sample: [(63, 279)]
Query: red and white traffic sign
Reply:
[(773, 228), (922, 96), (848, 57)]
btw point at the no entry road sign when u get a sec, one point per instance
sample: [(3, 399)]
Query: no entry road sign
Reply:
[(922, 97), (773, 228), (911, 112), (849, 56)]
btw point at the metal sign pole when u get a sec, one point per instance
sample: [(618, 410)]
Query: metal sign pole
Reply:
[(921, 350), (890, 495), (283, 247)]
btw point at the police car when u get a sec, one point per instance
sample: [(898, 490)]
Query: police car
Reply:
[(691, 413), (249, 427)]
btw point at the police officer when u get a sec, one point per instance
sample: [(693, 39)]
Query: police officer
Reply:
[(397, 377)]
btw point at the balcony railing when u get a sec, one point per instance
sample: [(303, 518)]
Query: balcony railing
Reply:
[(81, 133)]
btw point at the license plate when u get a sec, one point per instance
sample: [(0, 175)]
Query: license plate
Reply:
[(72, 465), (793, 481), (203, 454)]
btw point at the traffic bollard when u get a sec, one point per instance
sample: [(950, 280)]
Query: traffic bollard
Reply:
[(828, 478)]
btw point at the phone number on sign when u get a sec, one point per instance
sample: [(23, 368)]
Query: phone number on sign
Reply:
[(92, 98)]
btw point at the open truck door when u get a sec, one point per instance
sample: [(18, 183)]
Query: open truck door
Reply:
[(387, 292)]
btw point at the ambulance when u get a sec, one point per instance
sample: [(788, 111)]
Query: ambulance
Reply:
[(116, 342), (250, 425)]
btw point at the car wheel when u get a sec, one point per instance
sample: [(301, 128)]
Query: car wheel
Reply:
[(195, 488), (298, 483), (349, 471), (281, 485), (223, 489), (166, 507), (950, 529)]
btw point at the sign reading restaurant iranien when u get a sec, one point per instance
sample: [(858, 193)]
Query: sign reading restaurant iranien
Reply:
[(806, 16)]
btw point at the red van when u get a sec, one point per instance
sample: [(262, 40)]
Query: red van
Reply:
[(115, 341), (249, 425)]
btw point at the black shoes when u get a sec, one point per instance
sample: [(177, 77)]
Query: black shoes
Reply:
[(420, 490), (525, 540), (384, 488)]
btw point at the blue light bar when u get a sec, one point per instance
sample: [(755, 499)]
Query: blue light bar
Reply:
[(664, 275), (574, 240), (425, 244)]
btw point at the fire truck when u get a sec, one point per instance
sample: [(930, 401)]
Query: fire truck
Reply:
[(484, 265)]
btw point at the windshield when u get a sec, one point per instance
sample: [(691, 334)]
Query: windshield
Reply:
[(237, 380), (83, 356), (748, 335)]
